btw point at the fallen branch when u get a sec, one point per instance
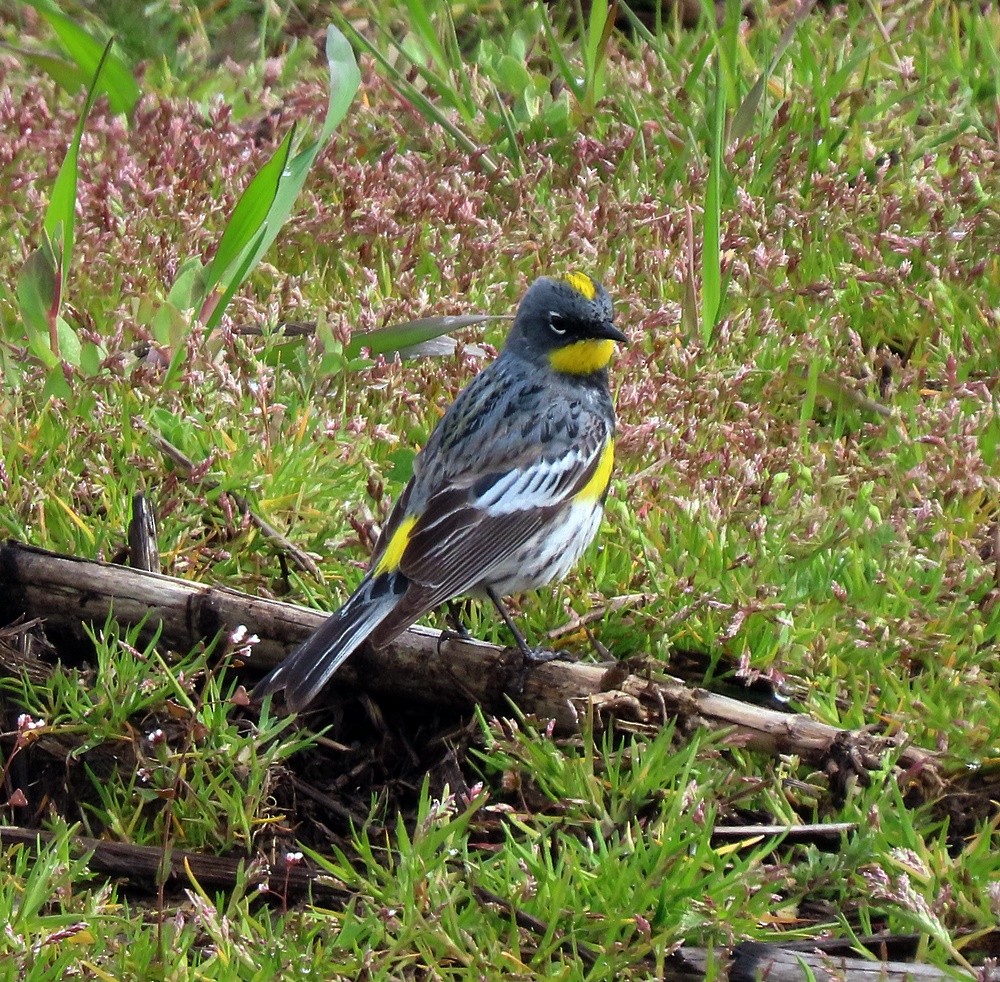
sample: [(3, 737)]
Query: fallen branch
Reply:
[(144, 865), (68, 592), (797, 963)]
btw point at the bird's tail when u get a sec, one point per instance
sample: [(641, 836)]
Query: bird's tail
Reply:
[(306, 670)]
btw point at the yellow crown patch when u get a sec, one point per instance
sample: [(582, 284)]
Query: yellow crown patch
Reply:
[(582, 283)]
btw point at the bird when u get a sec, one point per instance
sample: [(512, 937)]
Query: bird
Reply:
[(506, 494)]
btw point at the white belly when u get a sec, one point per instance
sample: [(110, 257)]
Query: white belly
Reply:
[(551, 554)]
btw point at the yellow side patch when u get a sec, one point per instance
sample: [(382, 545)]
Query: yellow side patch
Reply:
[(393, 554), (582, 283), (594, 489), (582, 357)]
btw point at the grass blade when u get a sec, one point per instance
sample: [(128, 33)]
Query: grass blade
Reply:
[(66, 74), (420, 21), (60, 214), (250, 214), (744, 117), (566, 71), (408, 92), (344, 80), (711, 258)]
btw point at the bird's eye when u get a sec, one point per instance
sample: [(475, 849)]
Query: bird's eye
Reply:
[(555, 318)]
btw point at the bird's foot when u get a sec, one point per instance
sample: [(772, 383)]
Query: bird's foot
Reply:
[(539, 656), (518, 669), (449, 635)]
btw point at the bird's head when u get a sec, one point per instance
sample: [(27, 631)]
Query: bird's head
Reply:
[(566, 322)]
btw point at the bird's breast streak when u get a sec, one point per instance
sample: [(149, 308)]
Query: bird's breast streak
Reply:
[(596, 487), (396, 546)]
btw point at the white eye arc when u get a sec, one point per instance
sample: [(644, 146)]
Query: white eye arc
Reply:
[(554, 318)]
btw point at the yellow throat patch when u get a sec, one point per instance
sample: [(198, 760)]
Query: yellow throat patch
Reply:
[(582, 283), (582, 357)]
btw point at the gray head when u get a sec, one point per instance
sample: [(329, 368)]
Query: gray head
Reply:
[(566, 323)]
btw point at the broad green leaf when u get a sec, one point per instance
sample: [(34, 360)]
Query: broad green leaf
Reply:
[(66, 74), (170, 325), (38, 287), (345, 79), (557, 116), (117, 80), (513, 75), (398, 337), (334, 360), (40, 346), (170, 321), (188, 287), (402, 464), (91, 357), (56, 386), (70, 347)]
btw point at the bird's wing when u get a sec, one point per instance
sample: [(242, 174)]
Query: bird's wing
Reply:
[(465, 531)]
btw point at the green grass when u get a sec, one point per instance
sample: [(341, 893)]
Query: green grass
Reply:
[(807, 474)]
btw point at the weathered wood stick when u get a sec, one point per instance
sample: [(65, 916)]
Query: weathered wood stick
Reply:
[(751, 961), (142, 865), (143, 551), (68, 592)]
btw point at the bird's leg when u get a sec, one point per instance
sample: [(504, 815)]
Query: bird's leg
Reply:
[(454, 614), (533, 655), (456, 630)]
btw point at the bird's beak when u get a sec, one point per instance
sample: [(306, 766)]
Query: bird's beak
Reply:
[(609, 331)]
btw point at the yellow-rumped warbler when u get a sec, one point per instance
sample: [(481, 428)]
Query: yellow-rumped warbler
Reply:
[(507, 493)]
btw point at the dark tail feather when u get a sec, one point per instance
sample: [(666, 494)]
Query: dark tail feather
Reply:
[(307, 669)]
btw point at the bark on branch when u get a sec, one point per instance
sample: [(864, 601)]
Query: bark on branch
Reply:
[(68, 592)]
